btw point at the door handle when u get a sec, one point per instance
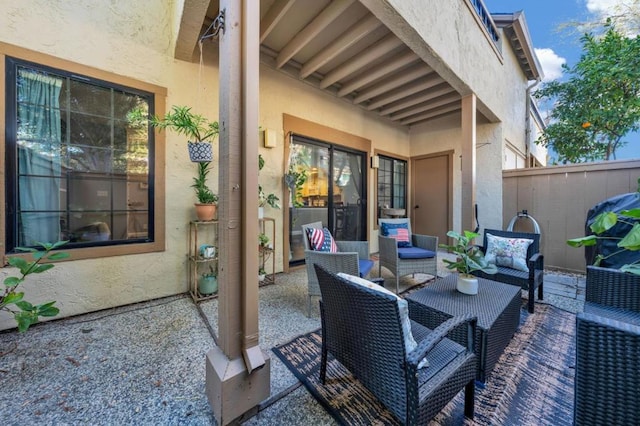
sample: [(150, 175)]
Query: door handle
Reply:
[(416, 207)]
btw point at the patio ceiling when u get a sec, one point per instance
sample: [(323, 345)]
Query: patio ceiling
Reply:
[(338, 46)]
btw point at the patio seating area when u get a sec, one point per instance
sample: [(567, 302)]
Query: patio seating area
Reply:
[(144, 363)]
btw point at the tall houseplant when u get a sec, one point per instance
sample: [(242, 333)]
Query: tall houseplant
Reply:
[(469, 258), (199, 130), (206, 206)]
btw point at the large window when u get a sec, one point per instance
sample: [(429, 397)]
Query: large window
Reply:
[(392, 184), (75, 168)]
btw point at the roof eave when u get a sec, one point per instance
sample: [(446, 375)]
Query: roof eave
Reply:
[(517, 31)]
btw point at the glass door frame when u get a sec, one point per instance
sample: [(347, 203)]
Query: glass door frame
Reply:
[(332, 148)]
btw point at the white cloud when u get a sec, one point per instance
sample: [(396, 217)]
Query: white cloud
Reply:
[(624, 14), (551, 63), (604, 7)]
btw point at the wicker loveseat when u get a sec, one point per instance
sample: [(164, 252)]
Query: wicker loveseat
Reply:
[(607, 378), (362, 327), (535, 262)]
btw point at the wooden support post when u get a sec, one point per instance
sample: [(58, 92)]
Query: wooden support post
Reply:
[(237, 371), (468, 199)]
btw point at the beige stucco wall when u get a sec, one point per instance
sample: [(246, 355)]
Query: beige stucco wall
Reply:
[(439, 25), (132, 39), (138, 44), (135, 39), (445, 134)]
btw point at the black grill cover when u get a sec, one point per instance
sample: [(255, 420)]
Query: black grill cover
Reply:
[(605, 247)]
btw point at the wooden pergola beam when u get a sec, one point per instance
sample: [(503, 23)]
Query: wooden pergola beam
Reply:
[(315, 27)]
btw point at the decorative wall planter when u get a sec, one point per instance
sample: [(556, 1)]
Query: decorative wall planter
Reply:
[(200, 152)]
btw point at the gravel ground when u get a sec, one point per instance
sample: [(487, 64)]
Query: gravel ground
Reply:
[(143, 364)]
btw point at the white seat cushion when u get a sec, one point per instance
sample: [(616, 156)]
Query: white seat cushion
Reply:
[(409, 342)]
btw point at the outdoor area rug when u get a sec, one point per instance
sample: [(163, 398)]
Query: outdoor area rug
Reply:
[(532, 383)]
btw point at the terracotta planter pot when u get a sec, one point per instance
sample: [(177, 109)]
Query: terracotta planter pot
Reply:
[(206, 212)]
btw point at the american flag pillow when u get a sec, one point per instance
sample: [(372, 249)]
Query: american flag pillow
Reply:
[(399, 231), (321, 240)]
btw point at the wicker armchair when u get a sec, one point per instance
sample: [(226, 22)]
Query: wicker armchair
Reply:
[(352, 258), (527, 280), (393, 258), (608, 350), (362, 328)]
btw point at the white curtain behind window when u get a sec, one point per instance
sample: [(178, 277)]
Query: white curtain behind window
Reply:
[(39, 145)]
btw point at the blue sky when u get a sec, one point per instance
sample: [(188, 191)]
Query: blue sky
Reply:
[(554, 45)]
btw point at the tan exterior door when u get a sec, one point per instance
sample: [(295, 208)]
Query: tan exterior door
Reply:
[(431, 194)]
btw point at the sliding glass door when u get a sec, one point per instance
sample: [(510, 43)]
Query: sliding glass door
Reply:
[(334, 192)]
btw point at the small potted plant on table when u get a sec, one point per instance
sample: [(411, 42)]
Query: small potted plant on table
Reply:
[(469, 258)]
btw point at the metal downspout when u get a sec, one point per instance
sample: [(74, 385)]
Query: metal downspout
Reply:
[(527, 121)]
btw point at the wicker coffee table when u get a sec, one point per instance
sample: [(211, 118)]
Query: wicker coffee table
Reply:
[(496, 305)]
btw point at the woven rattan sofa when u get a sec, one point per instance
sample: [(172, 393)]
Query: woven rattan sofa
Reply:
[(535, 262), (607, 382), (362, 328)]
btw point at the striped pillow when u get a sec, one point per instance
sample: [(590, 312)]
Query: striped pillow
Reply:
[(321, 240), (399, 231)]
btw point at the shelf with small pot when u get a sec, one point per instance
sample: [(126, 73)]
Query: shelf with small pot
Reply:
[(202, 268)]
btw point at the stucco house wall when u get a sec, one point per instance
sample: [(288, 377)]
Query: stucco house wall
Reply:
[(138, 43), (136, 40), (443, 24)]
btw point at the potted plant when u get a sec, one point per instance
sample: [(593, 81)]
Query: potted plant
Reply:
[(200, 130), (262, 275), (265, 199), (208, 283), (295, 179), (263, 239), (206, 206), (469, 258)]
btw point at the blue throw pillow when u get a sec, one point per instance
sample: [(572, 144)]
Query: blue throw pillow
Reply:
[(399, 231)]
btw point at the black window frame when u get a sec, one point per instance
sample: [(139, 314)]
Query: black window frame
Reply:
[(382, 158), (10, 166)]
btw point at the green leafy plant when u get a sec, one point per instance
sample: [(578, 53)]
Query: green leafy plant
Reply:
[(263, 239), (211, 274), (203, 192), (605, 221), (295, 180), (469, 257), (29, 314), (264, 198), (596, 106), (180, 120)]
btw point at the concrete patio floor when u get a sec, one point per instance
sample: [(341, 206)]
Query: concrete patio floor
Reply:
[(144, 363)]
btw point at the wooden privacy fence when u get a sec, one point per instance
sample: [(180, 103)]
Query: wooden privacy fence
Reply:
[(559, 197)]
